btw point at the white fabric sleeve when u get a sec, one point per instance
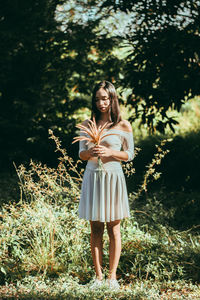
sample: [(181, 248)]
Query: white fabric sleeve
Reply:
[(128, 144), (82, 144)]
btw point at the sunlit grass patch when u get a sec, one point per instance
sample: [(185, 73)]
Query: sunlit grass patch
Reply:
[(45, 247), (68, 288)]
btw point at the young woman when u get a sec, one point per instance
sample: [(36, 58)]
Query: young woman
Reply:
[(104, 195)]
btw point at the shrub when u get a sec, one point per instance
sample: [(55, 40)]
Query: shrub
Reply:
[(43, 235)]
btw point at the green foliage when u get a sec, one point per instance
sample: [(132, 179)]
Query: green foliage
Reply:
[(42, 239), (53, 52), (179, 167), (156, 58), (163, 63), (140, 63), (47, 74), (32, 77)]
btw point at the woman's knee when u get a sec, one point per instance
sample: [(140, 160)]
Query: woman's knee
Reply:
[(113, 229), (97, 228)]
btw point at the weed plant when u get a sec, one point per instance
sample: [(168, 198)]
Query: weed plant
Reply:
[(45, 247)]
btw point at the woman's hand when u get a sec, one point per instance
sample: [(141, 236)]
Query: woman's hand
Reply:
[(92, 152), (101, 151), (96, 151)]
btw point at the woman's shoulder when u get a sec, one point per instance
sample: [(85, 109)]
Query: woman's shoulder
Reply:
[(125, 125)]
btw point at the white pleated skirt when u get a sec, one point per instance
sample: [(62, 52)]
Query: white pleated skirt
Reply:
[(104, 195)]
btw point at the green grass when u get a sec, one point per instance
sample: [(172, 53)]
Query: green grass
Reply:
[(65, 287), (45, 247), (46, 254)]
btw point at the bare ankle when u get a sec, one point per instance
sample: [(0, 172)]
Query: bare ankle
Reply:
[(112, 276)]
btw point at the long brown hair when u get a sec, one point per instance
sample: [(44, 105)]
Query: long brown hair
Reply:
[(114, 104)]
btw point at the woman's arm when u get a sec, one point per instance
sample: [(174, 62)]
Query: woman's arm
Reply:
[(128, 143), (87, 154), (103, 151), (120, 155), (127, 153)]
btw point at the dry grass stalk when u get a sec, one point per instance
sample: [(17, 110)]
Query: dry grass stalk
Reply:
[(94, 134)]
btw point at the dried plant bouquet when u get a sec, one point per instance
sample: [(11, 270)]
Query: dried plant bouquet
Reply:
[(94, 135)]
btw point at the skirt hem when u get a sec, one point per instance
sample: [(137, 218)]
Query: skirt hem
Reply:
[(94, 220)]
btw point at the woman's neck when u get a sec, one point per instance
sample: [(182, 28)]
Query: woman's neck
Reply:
[(105, 118)]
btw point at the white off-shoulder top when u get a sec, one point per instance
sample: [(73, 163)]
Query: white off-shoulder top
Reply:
[(120, 140)]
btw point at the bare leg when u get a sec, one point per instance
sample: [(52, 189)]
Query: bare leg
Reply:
[(97, 229), (113, 229)]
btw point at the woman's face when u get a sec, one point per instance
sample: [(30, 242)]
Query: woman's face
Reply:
[(102, 100)]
